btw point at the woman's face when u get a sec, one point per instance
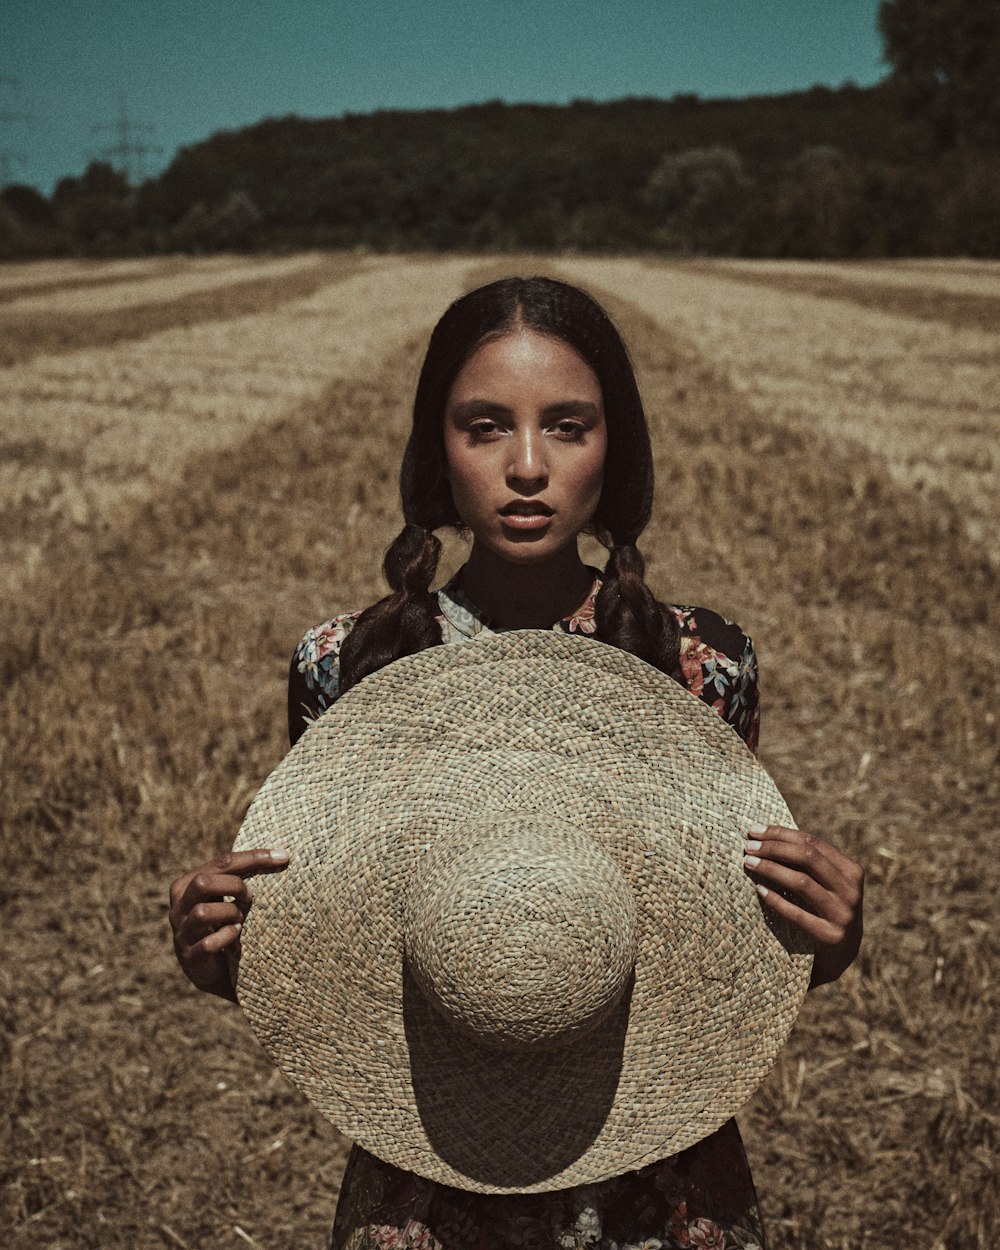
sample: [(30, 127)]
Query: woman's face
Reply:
[(525, 440)]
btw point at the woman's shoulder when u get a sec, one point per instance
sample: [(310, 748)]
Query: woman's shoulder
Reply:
[(717, 660), (314, 673), (702, 626), (318, 653), (719, 665)]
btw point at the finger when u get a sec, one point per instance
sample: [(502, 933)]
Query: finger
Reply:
[(803, 855), (803, 850), (822, 931), (227, 876), (205, 889), (236, 863), (208, 886), (220, 939), (809, 892), (204, 963), (838, 873), (249, 863), (206, 918), (783, 835)]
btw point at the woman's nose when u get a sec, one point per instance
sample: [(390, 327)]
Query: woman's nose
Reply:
[(527, 465)]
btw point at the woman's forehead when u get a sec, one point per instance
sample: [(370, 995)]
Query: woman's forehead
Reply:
[(526, 358)]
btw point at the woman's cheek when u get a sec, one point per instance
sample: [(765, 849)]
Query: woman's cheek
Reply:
[(469, 482), (593, 488)]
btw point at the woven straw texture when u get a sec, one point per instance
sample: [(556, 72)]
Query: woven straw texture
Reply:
[(515, 949)]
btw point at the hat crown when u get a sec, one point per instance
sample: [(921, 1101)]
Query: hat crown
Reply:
[(523, 932)]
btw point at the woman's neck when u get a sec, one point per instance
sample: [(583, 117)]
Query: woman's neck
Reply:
[(516, 596)]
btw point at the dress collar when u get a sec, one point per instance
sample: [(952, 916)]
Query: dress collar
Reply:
[(469, 621)]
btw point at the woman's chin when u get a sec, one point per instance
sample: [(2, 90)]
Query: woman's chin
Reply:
[(533, 550), (526, 547)]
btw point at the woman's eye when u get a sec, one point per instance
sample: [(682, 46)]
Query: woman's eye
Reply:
[(484, 429), (569, 429)]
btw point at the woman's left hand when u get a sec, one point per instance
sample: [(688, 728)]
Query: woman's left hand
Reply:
[(828, 888)]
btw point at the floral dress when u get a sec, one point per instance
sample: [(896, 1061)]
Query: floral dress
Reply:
[(702, 1197)]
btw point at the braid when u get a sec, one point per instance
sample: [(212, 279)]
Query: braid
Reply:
[(411, 560), (405, 621), (629, 616)]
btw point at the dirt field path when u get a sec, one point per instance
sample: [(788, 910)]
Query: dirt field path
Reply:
[(980, 279), (138, 288), (33, 275)]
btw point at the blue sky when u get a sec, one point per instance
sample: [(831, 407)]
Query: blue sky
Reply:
[(188, 68)]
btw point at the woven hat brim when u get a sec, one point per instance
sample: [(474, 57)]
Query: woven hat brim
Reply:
[(552, 726)]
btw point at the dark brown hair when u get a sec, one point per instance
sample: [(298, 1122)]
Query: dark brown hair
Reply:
[(626, 613)]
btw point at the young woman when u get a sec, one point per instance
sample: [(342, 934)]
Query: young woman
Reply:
[(528, 431)]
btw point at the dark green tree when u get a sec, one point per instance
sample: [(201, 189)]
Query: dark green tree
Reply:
[(699, 194), (99, 178), (945, 59), (28, 205)]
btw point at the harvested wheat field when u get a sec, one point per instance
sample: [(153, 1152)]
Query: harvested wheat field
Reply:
[(197, 461)]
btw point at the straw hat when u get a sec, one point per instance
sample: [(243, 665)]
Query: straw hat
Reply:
[(515, 949)]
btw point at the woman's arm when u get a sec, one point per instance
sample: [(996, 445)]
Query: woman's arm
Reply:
[(719, 664), (207, 906), (828, 889)]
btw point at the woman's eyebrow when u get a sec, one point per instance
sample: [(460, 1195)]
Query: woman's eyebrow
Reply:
[(483, 407), (478, 407), (574, 407)]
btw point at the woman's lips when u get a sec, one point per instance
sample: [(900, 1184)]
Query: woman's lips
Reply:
[(525, 514), (525, 520)]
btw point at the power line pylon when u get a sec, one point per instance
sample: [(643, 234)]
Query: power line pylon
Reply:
[(8, 158), (129, 153)]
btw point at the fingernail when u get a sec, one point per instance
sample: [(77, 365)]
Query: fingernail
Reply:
[(751, 844), (751, 861), (279, 857), (763, 891), (756, 827), (237, 927)]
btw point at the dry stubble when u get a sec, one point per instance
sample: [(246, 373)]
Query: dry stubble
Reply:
[(143, 689), (919, 395), (85, 432)]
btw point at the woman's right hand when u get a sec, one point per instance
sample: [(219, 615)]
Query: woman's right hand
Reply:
[(204, 922)]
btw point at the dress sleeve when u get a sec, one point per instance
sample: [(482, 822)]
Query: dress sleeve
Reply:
[(719, 665), (744, 704), (314, 673)]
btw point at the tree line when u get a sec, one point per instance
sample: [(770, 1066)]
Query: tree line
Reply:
[(908, 167)]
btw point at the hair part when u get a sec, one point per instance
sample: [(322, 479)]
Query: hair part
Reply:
[(626, 612)]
